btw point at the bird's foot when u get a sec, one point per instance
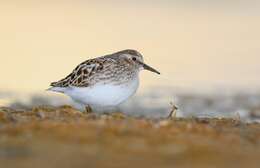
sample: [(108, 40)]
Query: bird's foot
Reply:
[(88, 109)]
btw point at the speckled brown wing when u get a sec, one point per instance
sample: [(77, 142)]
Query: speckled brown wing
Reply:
[(82, 75)]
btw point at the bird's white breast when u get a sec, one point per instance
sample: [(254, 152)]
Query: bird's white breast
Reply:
[(104, 95)]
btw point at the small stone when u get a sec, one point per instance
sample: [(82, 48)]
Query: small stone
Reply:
[(164, 123), (3, 117), (40, 114)]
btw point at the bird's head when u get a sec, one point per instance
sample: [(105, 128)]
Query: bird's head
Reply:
[(134, 59)]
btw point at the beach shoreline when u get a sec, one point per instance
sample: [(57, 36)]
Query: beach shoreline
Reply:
[(65, 137)]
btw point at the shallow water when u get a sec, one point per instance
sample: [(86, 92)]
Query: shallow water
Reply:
[(158, 103)]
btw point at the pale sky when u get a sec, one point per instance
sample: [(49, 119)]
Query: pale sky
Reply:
[(194, 45)]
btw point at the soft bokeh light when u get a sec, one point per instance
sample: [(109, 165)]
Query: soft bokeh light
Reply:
[(196, 45)]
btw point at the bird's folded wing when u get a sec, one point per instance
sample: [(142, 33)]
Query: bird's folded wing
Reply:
[(82, 75)]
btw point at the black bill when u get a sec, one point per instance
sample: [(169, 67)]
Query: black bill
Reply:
[(147, 67)]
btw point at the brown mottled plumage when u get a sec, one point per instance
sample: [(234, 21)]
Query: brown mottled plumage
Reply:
[(102, 68)]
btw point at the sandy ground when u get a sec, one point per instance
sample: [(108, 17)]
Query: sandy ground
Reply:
[(47, 137)]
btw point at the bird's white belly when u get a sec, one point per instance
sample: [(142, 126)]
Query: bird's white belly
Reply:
[(103, 95)]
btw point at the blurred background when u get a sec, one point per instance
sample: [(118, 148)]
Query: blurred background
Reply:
[(207, 51)]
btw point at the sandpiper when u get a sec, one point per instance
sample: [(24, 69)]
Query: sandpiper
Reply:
[(105, 81)]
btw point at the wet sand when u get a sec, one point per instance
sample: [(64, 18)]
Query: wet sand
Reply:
[(47, 137)]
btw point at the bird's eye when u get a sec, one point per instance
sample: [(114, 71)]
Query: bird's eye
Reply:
[(134, 59)]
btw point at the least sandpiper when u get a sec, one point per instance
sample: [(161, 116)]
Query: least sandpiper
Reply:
[(105, 81)]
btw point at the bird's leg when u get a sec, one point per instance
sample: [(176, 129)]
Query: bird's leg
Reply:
[(88, 109)]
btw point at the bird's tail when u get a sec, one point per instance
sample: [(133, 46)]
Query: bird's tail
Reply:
[(56, 89)]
